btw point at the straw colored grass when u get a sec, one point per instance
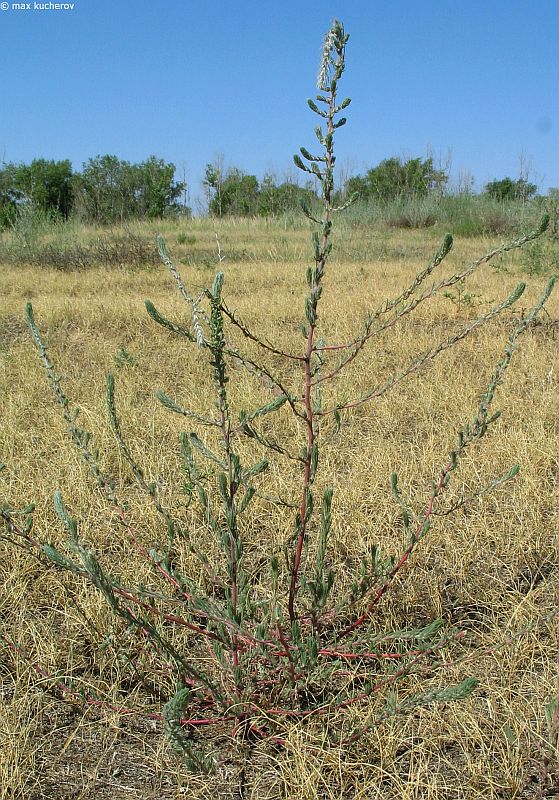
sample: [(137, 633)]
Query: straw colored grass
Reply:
[(491, 569)]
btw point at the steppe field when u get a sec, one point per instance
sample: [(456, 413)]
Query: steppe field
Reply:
[(490, 568)]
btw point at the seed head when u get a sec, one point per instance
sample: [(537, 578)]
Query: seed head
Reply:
[(326, 60)]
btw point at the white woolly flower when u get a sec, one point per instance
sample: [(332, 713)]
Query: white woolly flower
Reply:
[(326, 58)]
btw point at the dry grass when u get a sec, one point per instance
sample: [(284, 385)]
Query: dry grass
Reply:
[(490, 569)]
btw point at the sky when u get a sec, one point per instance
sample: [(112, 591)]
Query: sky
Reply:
[(473, 83)]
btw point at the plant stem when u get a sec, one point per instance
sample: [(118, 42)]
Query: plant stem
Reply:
[(321, 256)]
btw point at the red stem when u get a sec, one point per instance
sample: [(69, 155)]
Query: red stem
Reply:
[(405, 555), (288, 654), (310, 349), (306, 478)]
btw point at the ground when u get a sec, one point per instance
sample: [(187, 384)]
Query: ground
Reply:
[(490, 568)]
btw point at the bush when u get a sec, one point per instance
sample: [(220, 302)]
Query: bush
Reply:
[(109, 190), (509, 189), (462, 215), (413, 214), (123, 251), (48, 185), (394, 179), (246, 645)]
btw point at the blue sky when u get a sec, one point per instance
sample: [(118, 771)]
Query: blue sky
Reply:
[(474, 81)]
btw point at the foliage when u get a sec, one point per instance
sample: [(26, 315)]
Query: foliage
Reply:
[(29, 225), (552, 205), (508, 189), (36, 241), (275, 199), (463, 215), (110, 190), (238, 195), (234, 193), (9, 196), (47, 185), (212, 183), (542, 257), (156, 188), (394, 179), (246, 645)]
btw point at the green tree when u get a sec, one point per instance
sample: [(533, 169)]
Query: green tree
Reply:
[(47, 184), (276, 198), (110, 190), (356, 185), (509, 189), (9, 195), (394, 178), (269, 200), (236, 194), (104, 191), (240, 194), (156, 189), (213, 179)]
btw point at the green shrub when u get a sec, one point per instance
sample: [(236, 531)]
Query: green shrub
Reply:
[(186, 238)]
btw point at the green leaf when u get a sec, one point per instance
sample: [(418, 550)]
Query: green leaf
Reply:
[(268, 408), (510, 735), (57, 558), (300, 164), (196, 442), (305, 153), (217, 286), (313, 106), (166, 323), (249, 494), (319, 133), (69, 523), (257, 469), (458, 692), (168, 403)]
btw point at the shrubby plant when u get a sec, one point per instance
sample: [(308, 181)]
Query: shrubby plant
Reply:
[(232, 192), (47, 185), (394, 179), (247, 650), (509, 189), (109, 190), (106, 191), (63, 251)]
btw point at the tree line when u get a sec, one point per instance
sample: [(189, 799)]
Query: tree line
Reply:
[(109, 190), (106, 191)]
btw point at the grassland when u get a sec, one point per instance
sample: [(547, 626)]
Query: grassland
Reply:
[(491, 568)]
